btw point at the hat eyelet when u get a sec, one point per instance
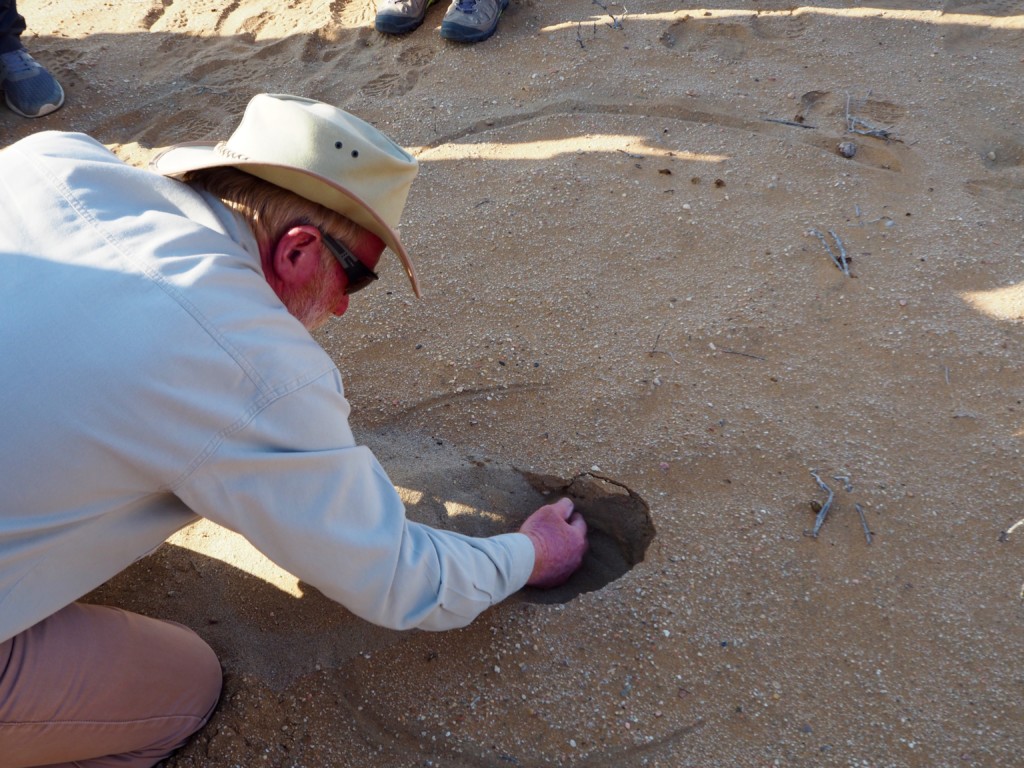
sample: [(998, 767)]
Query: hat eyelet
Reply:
[(337, 145), (355, 153)]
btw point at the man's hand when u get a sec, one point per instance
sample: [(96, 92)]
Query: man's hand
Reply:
[(559, 539)]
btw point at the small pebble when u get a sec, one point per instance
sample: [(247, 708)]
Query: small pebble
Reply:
[(847, 148)]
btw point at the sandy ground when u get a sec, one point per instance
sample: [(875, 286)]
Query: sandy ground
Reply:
[(615, 226)]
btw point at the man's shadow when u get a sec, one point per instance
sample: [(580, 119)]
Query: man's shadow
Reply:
[(263, 622)]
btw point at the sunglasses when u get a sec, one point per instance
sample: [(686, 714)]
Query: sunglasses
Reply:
[(357, 274)]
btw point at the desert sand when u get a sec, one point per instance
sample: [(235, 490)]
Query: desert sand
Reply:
[(653, 281)]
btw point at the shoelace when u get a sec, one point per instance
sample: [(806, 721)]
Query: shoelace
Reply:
[(466, 6), (16, 62)]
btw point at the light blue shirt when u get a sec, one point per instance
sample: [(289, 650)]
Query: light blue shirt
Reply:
[(149, 374)]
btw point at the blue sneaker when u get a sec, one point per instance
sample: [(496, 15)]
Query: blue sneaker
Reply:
[(396, 17), (470, 21), (30, 89)]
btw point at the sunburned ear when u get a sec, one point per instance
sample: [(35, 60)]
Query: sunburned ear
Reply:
[(297, 255)]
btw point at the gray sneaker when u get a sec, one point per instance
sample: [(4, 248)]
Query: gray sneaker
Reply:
[(470, 21), (396, 17), (29, 88)]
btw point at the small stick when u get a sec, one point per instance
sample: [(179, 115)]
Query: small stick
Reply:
[(655, 351), (656, 340), (841, 261), (616, 23), (828, 248), (863, 522), (843, 258), (669, 355), (579, 35), (788, 122), (878, 133), (823, 512), (744, 354), (1006, 535), (863, 127), (946, 369)]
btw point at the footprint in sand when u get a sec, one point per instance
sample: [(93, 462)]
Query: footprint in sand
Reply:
[(725, 40), (826, 106), (729, 40), (391, 84), (779, 27), (416, 56), (354, 13), (1003, 188), (967, 37)]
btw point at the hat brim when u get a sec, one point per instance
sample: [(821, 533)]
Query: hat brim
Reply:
[(198, 155)]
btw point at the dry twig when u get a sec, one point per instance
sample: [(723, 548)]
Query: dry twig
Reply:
[(863, 127), (655, 351), (863, 522), (1004, 535), (788, 122), (842, 261), (742, 354), (616, 23), (823, 512)]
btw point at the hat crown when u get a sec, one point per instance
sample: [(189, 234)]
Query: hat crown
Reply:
[(318, 152), (278, 129)]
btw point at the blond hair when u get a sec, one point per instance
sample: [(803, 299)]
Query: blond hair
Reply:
[(270, 210)]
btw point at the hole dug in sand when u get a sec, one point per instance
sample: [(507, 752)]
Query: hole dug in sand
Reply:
[(478, 496), (619, 529)]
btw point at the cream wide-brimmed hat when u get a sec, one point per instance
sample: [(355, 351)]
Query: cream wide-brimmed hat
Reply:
[(319, 152)]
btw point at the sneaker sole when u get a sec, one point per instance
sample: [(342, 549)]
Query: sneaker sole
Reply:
[(460, 34), (45, 110)]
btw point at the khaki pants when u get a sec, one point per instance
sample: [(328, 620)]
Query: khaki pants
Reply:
[(95, 687)]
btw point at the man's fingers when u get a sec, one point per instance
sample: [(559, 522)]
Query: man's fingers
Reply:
[(559, 537), (563, 507)]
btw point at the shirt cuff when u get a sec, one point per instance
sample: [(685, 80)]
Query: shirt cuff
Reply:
[(523, 555)]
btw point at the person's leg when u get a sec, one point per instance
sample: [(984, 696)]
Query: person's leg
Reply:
[(11, 26), (29, 88), (99, 687)]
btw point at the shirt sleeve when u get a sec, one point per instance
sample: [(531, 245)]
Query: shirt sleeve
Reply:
[(292, 481)]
